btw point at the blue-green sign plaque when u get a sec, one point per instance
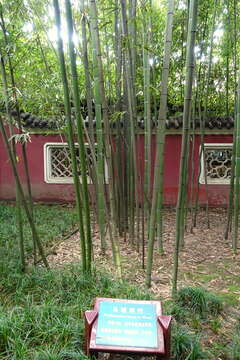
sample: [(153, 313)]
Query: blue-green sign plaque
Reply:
[(127, 324)]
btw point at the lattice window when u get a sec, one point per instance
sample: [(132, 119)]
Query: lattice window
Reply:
[(58, 164), (217, 159)]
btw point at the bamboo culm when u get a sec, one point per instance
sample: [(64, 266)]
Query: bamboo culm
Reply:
[(21, 194), (19, 212), (80, 136), (103, 106), (160, 141), (67, 106), (186, 116), (237, 174)]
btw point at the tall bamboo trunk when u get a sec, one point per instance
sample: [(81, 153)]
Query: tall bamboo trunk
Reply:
[(21, 194), (133, 173), (147, 105), (237, 174), (89, 94), (24, 152), (192, 24), (231, 191), (80, 136), (206, 96), (100, 89), (19, 213), (67, 106), (160, 142)]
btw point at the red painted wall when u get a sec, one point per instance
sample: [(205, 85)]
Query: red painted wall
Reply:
[(218, 194), (40, 189)]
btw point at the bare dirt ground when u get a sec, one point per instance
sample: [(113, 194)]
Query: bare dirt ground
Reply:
[(206, 260)]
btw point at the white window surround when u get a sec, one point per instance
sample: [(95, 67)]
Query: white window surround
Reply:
[(59, 172), (218, 173)]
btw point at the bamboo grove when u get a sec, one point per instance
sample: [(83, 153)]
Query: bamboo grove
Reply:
[(104, 70)]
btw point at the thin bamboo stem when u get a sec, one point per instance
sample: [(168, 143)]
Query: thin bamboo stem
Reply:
[(192, 24), (160, 142), (70, 134)]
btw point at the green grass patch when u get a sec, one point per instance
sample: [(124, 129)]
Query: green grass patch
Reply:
[(185, 346), (41, 312), (199, 301), (231, 299), (51, 222), (234, 288)]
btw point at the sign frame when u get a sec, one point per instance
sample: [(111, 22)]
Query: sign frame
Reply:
[(162, 351)]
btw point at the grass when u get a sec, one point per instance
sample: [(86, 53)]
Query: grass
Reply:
[(199, 301), (51, 221), (186, 346), (41, 313)]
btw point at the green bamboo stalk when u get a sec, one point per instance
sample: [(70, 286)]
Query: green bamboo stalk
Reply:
[(147, 105), (80, 136), (99, 137), (133, 39), (24, 152), (194, 106), (237, 174), (89, 94), (133, 173), (21, 194), (200, 81), (231, 191), (89, 98), (119, 183), (19, 213), (206, 96), (185, 202), (186, 115), (67, 106), (160, 142), (100, 92)]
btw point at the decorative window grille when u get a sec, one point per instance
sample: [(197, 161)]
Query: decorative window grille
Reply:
[(58, 164), (217, 160)]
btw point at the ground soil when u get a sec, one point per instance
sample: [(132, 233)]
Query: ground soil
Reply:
[(207, 258)]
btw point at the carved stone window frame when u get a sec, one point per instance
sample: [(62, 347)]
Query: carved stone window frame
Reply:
[(48, 177), (212, 146)]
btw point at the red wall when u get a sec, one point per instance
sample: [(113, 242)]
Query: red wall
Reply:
[(218, 194), (40, 189)]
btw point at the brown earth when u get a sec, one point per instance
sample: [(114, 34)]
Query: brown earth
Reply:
[(207, 259)]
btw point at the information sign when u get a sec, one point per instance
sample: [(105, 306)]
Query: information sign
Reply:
[(127, 324)]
